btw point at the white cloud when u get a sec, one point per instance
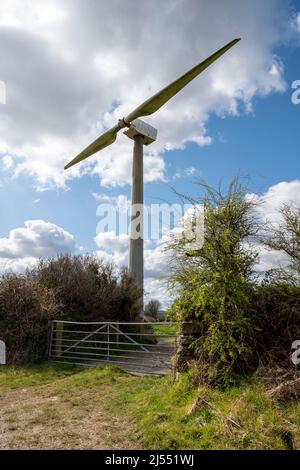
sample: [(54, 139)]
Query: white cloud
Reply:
[(114, 166), (78, 66), (296, 22), (37, 239), (156, 289), (190, 171), (269, 203), (17, 265), (267, 210), (111, 242), (270, 259), (119, 259), (187, 172), (7, 162)]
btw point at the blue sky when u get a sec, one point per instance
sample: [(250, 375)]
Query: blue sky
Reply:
[(252, 131)]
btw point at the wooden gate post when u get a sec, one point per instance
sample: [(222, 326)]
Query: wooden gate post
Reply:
[(59, 332)]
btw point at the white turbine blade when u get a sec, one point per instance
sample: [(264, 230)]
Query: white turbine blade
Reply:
[(150, 106), (103, 141), (159, 99)]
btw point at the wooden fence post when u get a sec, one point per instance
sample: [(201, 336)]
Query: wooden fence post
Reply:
[(59, 332)]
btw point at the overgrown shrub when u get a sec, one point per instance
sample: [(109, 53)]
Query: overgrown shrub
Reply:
[(80, 288), (25, 310), (89, 289), (279, 307)]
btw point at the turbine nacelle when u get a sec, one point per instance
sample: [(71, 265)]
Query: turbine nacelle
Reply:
[(139, 127)]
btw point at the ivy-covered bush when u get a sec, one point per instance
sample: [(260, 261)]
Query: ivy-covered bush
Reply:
[(214, 283)]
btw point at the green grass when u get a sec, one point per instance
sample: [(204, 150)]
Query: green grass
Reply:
[(155, 412), (240, 418), (33, 375), (166, 329)]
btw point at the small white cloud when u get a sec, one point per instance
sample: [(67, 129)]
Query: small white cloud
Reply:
[(296, 22), (190, 171), (111, 242), (37, 239), (7, 162)]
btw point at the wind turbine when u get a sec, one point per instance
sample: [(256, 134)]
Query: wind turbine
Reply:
[(143, 134)]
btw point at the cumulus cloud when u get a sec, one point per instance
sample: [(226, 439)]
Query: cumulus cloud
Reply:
[(269, 203), (7, 162), (78, 66), (25, 245), (111, 242), (17, 265), (268, 212)]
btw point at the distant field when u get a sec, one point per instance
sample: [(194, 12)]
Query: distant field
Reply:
[(56, 407)]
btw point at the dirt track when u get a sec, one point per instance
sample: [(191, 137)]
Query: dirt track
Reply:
[(61, 416)]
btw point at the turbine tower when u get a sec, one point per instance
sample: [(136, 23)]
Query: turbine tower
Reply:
[(143, 134)]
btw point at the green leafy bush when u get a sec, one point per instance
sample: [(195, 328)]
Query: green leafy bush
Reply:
[(214, 283)]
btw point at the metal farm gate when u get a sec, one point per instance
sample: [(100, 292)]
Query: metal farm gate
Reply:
[(135, 347)]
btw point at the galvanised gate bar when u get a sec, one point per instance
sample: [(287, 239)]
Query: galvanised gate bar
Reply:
[(139, 347)]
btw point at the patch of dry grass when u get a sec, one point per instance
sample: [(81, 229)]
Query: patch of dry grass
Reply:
[(66, 413)]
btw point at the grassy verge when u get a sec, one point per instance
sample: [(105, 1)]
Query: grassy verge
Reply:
[(181, 416), (51, 406)]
